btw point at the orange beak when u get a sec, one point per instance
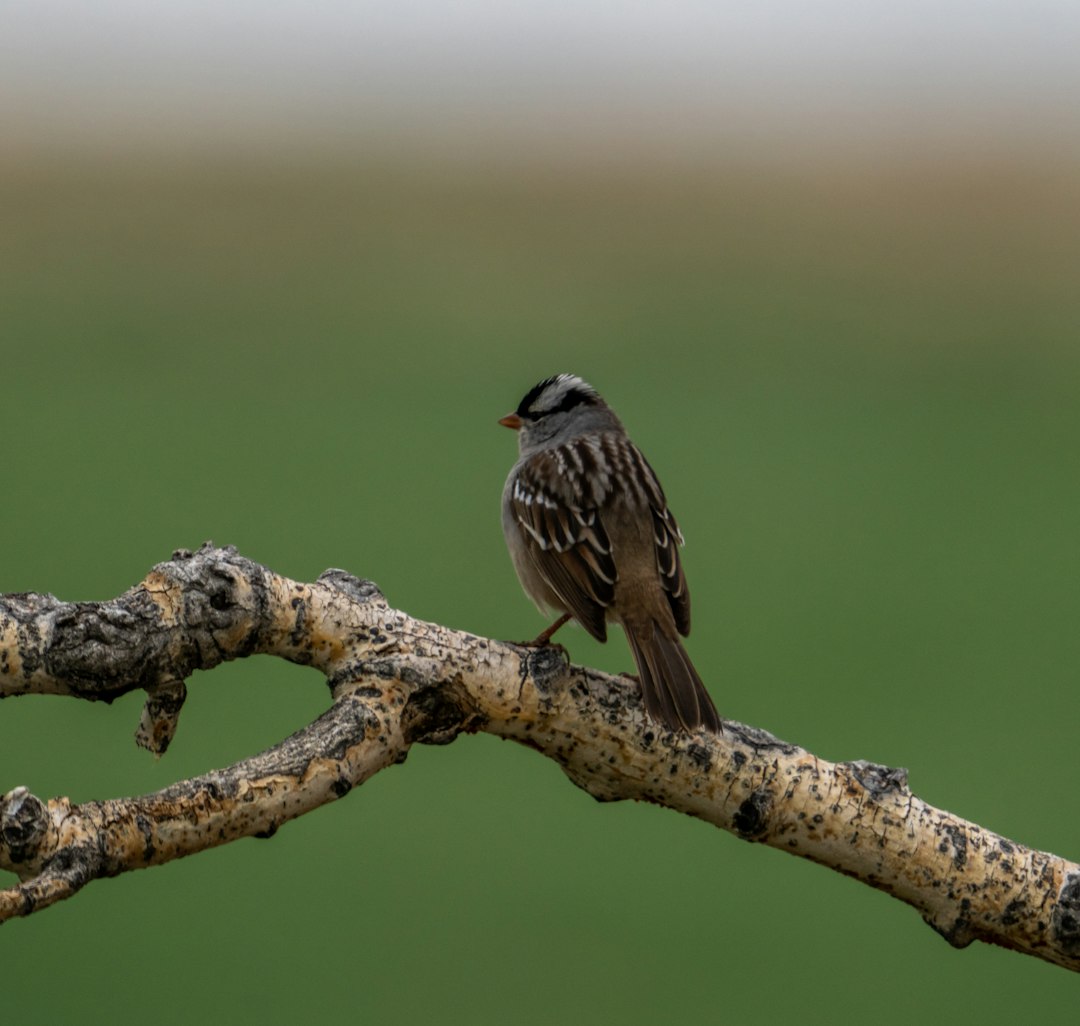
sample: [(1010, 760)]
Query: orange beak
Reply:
[(511, 420)]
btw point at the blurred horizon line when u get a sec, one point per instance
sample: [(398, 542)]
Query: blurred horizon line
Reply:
[(574, 144), (575, 83)]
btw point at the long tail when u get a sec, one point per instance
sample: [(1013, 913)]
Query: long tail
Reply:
[(670, 686)]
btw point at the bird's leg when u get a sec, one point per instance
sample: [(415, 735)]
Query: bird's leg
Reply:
[(544, 637)]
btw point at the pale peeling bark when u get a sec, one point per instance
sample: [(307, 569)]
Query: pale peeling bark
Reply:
[(396, 681)]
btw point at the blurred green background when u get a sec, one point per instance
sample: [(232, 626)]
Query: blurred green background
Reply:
[(857, 373)]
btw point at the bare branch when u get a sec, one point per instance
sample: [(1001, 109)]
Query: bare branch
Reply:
[(396, 681)]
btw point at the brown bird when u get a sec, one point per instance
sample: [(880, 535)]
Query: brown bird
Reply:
[(592, 538)]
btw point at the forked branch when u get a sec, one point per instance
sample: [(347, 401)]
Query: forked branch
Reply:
[(396, 681)]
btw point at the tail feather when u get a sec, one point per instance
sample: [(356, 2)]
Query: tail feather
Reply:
[(670, 686)]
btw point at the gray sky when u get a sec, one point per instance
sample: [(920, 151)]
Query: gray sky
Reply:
[(215, 69)]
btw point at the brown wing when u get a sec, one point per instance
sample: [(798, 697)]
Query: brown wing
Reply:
[(666, 538), (565, 538)]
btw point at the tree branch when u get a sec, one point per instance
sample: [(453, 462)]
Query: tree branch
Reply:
[(397, 681)]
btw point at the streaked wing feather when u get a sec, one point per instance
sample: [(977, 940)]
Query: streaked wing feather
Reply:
[(666, 538), (567, 544)]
